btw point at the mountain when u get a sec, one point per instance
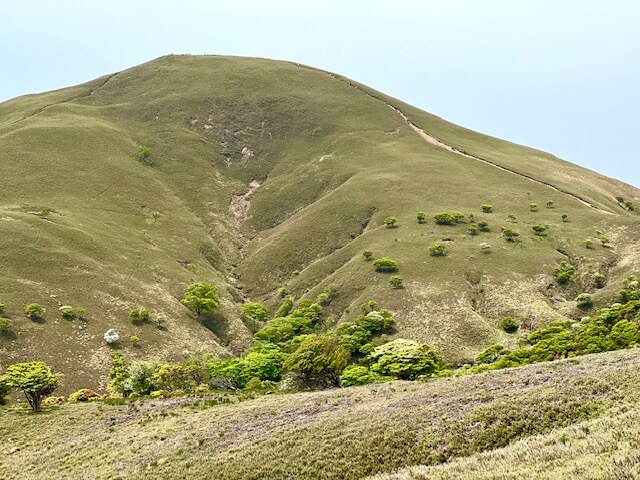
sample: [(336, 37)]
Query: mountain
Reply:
[(264, 174)]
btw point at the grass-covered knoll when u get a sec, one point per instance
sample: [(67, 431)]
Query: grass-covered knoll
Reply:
[(250, 174), (350, 433)]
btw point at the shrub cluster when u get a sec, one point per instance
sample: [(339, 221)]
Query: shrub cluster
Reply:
[(611, 328)]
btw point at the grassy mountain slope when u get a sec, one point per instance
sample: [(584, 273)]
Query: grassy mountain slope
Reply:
[(268, 173), (516, 423)]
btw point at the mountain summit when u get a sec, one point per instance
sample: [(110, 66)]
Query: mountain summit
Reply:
[(260, 175)]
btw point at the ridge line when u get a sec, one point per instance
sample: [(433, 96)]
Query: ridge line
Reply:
[(439, 143)]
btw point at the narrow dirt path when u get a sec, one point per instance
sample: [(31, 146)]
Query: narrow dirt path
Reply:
[(438, 143)]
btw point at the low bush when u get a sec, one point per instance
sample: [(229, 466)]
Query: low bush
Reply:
[(448, 218), (584, 300), (510, 324), (437, 250), (486, 208), (385, 265), (396, 281)]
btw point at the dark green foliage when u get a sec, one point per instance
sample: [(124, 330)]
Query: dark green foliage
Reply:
[(448, 218), (421, 216), (390, 222), (584, 300), (201, 298), (4, 390), (550, 204), (539, 230), (565, 217), (368, 255), (483, 227), (396, 281), (437, 250), (319, 361), (472, 230), (486, 208), (564, 272), (491, 354), (510, 324), (405, 359), (385, 265), (35, 379)]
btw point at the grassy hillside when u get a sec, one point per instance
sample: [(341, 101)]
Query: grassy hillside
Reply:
[(267, 173), (569, 419)]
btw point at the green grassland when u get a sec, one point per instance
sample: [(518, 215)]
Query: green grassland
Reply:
[(574, 418), (85, 223)]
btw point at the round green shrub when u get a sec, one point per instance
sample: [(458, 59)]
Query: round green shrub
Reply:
[(385, 265), (510, 324), (437, 250)]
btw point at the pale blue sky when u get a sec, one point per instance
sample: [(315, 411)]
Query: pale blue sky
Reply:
[(562, 76)]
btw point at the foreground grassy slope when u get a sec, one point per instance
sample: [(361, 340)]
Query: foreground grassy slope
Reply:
[(536, 413), (265, 173)]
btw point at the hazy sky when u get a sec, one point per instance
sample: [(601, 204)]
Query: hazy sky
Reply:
[(559, 75)]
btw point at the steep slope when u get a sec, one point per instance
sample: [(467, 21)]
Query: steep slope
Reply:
[(267, 173)]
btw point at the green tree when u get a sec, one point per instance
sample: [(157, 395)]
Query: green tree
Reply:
[(385, 265), (396, 281), (201, 298), (390, 221), (319, 361), (254, 312), (119, 375), (421, 216), (405, 359), (35, 379)]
